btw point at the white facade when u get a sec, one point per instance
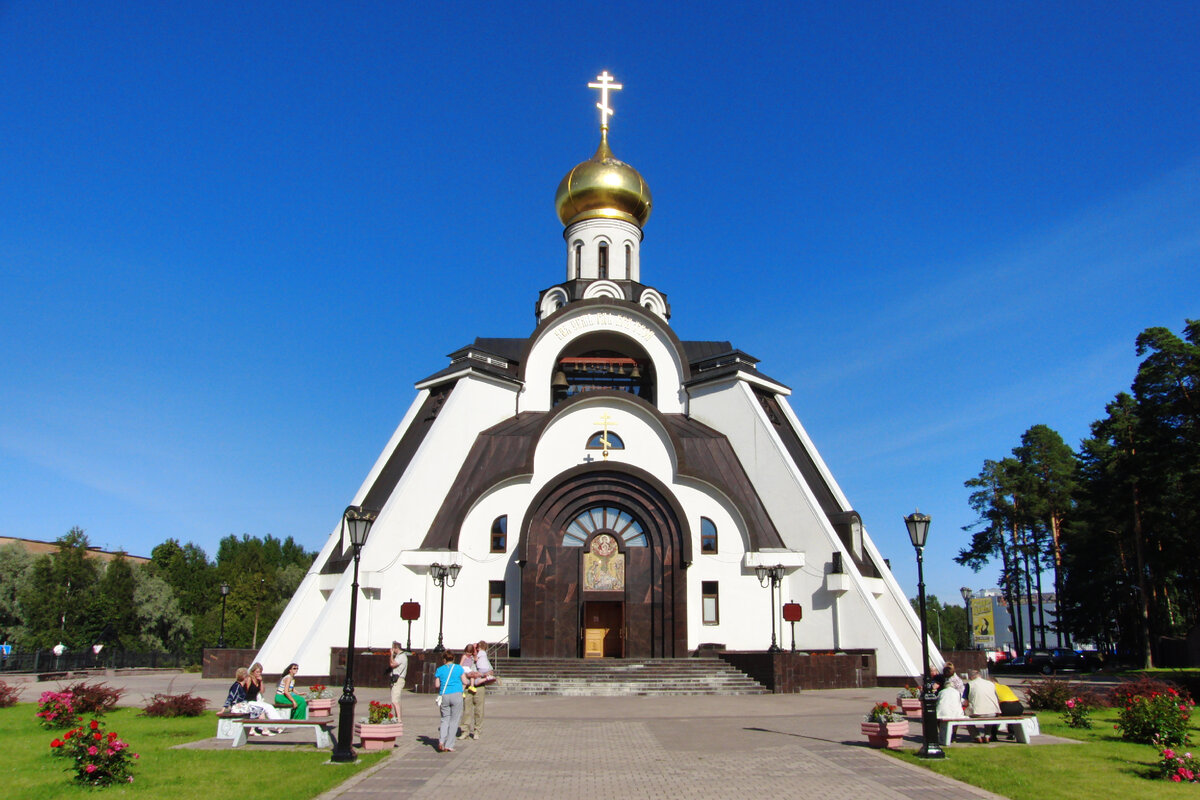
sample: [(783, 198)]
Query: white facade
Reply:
[(504, 432)]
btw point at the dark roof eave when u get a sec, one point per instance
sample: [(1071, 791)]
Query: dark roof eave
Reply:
[(735, 371)]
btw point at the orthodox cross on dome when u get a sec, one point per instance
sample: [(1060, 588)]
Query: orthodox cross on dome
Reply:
[(604, 82), (606, 421)]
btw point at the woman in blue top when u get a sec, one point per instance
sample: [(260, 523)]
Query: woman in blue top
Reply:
[(237, 692), (448, 680)]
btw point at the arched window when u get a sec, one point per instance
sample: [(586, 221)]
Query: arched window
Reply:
[(708, 536), (603, 260), (578, 260), (628, 262), (500, 534), (607, 518), (596, 441)]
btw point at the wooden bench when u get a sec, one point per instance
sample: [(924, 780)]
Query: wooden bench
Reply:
[(320, 728), (1026, 727)]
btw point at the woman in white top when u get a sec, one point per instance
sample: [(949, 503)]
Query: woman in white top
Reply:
[(285, 692)]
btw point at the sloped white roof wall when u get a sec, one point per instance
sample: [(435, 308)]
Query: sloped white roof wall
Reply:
[(855, 618), (311, 622)]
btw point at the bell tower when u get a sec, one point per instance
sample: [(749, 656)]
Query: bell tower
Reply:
[(603, 204)]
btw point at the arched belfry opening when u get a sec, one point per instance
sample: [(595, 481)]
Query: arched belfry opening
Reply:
[(604, 551), (602, 361)]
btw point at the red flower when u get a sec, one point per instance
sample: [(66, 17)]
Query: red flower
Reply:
[(94, 724), (112, 735), (56, 743), (97, 736)]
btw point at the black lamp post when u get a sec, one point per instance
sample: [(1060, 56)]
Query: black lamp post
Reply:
[(967, 594), (224, 594), (356, 521), (918, 529), (441, 575), (770, 576)]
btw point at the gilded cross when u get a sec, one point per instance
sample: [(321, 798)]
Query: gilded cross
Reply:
[(605, 420), (604, 82)]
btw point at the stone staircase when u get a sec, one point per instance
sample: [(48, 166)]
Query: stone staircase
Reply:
[(619, 677)]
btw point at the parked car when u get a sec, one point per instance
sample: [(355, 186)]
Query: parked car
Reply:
[(1051, 660)]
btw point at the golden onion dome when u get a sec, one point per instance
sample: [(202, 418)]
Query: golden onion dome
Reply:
[(603, 188)]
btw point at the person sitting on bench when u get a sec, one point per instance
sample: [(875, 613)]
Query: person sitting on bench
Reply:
[(286, 693), (1010, 706), (981, 702)]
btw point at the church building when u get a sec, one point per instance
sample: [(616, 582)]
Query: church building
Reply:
[(602, 488)]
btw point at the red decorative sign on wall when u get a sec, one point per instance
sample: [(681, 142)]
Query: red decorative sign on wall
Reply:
[(410, 611), (792, 612)]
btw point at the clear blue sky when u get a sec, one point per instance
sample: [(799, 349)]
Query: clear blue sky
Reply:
[(233, 235)]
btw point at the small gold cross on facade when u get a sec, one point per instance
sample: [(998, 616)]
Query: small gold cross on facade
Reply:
[(606, 421)]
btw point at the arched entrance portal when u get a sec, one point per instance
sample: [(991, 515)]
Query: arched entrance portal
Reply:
[(604, 550)]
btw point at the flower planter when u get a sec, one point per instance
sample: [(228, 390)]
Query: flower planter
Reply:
[(885, 734), (911, 706), (322, 707), (378, 737)]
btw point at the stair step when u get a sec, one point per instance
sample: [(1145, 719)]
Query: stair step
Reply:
[(617, 677)]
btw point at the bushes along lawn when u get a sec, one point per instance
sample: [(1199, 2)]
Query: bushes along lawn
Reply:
[(27, 769), (1097, 764)]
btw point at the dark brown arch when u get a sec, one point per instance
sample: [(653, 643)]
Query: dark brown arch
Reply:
[(655, 594)]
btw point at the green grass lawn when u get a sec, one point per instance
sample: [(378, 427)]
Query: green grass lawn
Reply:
[(27, 770), (1097, 764)]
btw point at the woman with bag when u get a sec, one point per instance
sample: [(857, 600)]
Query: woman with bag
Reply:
[(448, 681)]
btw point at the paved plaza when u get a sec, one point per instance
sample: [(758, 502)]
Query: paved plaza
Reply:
[(806, 745)]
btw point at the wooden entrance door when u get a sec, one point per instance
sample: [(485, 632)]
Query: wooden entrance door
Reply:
[(602, 629)]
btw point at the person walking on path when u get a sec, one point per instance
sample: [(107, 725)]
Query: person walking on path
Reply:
[(398, 661), (448, 681), (473, 701), (467, 662)]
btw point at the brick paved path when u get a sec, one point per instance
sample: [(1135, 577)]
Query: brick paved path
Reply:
[(579, 748), (798, 746)]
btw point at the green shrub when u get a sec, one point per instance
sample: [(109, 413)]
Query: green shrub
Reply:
[(1077, 713), (1052, 695), (1177, 767), (57, 710), (98, 757), (175, 705), (94, 698), (1160, 718), (1142, 686)]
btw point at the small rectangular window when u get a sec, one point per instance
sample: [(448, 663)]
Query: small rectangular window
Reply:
[(495, 602), (709, 602)]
